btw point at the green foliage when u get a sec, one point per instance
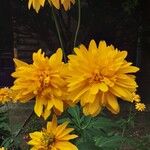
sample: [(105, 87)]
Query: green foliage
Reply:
[(4, 125), (103, 132), (7, 138)]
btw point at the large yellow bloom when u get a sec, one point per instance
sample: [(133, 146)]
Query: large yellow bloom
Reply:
[(45, 80), (66, 3), (54, 137), (98, 76), (5, 95), (36, 4)]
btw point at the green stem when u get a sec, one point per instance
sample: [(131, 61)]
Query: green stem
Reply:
[(59, 34), (79, 22), (24, 124), (87, 124), (125, 127), (75, 123)]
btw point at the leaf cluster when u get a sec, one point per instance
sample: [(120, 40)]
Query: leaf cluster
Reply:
[(7, 138), (103, 132)]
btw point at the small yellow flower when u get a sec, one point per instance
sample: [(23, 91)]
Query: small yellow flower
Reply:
[(45, 80), (5, 95), (36, 4), (140, 106), (54, 137), (66, 3), (98, 75), (136, 97)]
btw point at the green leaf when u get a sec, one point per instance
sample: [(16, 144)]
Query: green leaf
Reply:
[(74, 111), (107, 143), (75, 114), (62, 120), (7, 142), (103, 123), (86, 122), (87, 146)]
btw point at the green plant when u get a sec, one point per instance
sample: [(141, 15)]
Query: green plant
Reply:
[(99, 133)]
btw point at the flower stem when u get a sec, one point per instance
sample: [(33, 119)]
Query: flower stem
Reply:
[(59, 34), (24, 124), (79, 22)]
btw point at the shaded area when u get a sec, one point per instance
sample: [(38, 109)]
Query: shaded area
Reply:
[(6, 44)]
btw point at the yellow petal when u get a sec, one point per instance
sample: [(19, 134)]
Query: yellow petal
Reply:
[(56, 3), (54, 122), (92, 46), (65, 146), (129, 69), (29, 3), (112, 104), (38, 108), (102, 45), (46, 113), (103, 87), (56, 57), (87, 98), (58, 104), (121, 92), (69, 137), (65, 132), (100, 86), (92, 108), (61, 128), (19, 63)]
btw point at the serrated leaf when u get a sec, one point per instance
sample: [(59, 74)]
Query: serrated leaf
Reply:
[(87, 146), (113, 142), (60, 121), (103, 123), (74, 111)]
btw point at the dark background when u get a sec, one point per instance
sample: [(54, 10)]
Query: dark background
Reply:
[(125, 24)]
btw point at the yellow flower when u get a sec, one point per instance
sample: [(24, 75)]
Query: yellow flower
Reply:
[(140, 106), (36, 4), (45, 80), (98, 76), (66, 3), (5, 95), (136, 97), (57, 3), (54, 137)]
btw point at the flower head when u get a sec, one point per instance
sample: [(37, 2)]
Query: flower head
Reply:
[(54, 137), (36, 4), (140, 106), (45, 80), (98, 75), (5, 95), (136, 97), (57, 3), (66, 3)]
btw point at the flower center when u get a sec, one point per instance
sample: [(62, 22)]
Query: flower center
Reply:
[(44, 78), (48, 139), (96, 77)]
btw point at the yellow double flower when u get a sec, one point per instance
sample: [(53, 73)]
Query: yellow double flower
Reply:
[(36, 4)]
